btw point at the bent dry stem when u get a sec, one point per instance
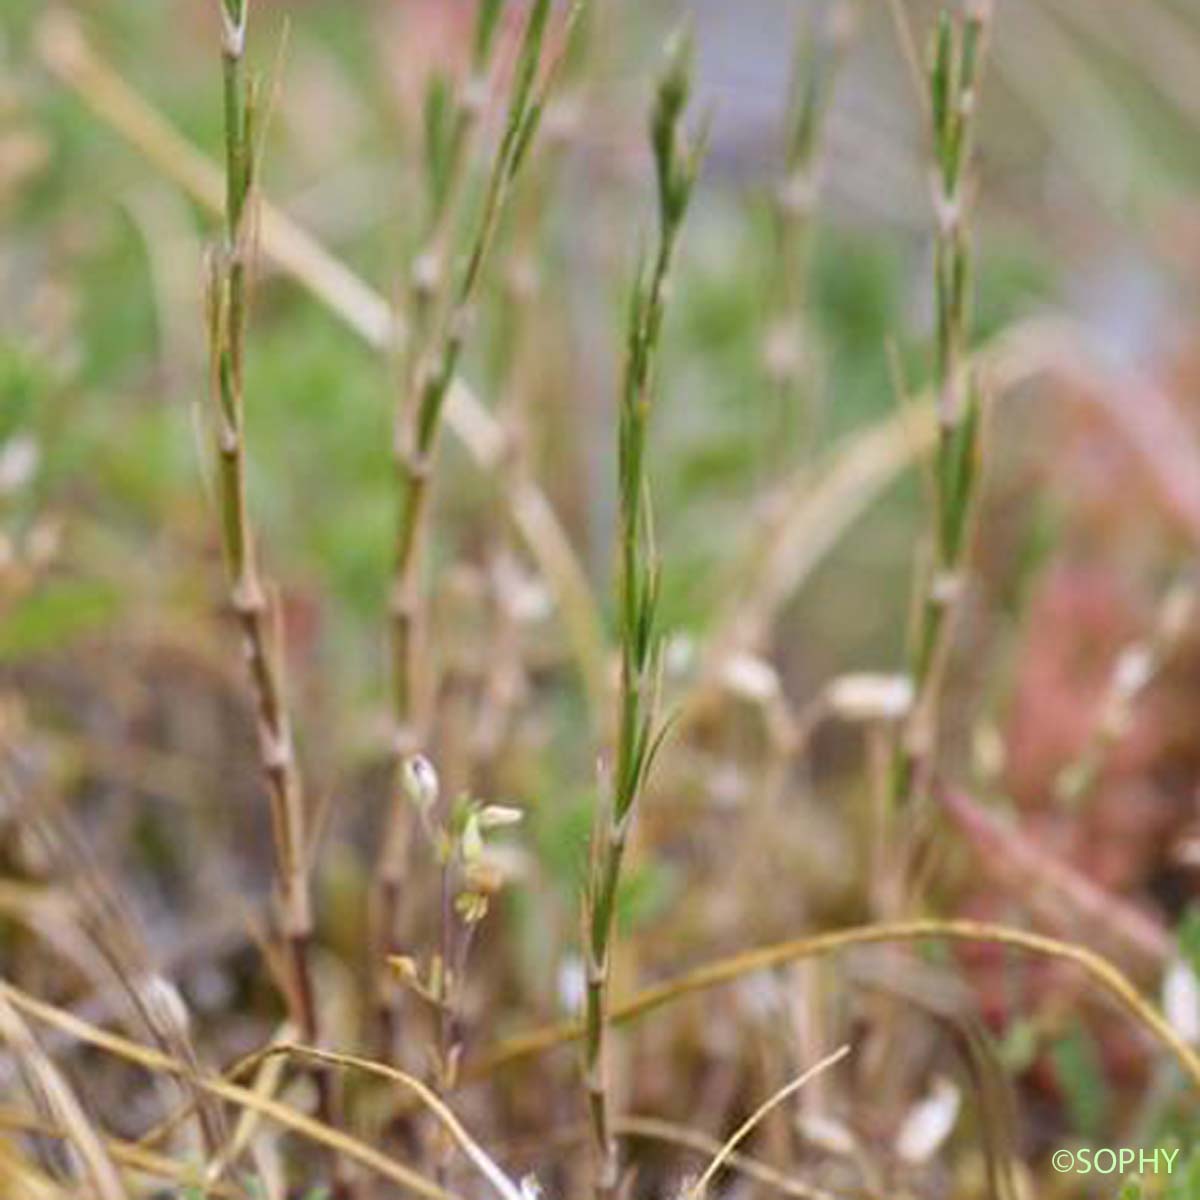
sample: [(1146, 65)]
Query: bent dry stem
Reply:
[(638, 732), (764, 958)]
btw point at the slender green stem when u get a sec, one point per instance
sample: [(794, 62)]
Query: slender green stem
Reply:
[(638, 733), (953, 83)]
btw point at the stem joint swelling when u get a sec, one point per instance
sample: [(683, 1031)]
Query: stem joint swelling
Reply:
[(638, 733)]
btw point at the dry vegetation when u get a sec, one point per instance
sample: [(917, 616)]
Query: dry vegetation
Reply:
[(682, 685)]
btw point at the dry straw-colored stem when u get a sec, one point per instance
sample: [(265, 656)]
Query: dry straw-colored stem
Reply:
[(766, 958), (655, 1129), (513, 1050), (60, 1103), (471, 1149), (743, 1131), (128, 1154), (341, 1144)]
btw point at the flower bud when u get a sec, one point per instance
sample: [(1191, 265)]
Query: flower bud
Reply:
[(498, 816), (419, 781)]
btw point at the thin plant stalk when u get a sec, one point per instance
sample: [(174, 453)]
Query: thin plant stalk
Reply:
[(447, 151), (55, 1097), (433, 374), (428, 383), (255, 606), (638, 732), (953, 80), (699, 1189)]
